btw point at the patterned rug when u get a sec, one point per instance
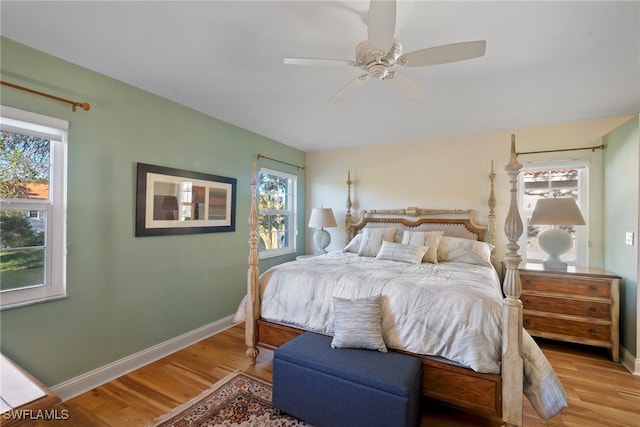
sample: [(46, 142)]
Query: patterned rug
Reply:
[(237, 400)]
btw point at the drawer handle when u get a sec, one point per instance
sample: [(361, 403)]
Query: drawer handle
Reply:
[(593, 309), (527, 281), (527, 302), (527, 322), (592, 331), (593, 288)]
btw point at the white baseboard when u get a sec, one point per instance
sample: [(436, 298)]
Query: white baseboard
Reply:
[(628, 361), (89, 380)]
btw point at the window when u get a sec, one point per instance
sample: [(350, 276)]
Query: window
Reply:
[(33, 159), (276, 213), (554, 179)]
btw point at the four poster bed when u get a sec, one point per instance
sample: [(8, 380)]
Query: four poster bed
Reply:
[(444, 304)]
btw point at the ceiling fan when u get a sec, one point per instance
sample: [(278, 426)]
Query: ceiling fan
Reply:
[(381, 53)]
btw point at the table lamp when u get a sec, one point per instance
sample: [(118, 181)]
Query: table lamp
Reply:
[(556, 241), (321, 218)]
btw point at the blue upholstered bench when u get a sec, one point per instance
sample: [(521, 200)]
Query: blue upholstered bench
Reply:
[(345, 387)]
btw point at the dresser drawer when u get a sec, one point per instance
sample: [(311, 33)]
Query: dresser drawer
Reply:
[(566, 285), (576, 329), (583, 308)]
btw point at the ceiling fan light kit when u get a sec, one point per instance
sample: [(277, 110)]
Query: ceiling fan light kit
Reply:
[(375, 61), (381, 53)]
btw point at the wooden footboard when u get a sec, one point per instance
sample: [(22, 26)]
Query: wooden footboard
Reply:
[(445, 382)]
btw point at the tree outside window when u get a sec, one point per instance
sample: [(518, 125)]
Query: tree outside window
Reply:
[(33, 182), (276, 213), (24, 175)]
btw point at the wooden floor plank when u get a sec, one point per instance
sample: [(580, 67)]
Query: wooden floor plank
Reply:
[(601, 392)]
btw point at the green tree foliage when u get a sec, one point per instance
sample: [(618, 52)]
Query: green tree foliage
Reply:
[(272, 193), (15, 230), (23, 160)]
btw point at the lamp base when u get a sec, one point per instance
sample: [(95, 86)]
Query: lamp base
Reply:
[(554, 264), (322, 239), (555, 242)]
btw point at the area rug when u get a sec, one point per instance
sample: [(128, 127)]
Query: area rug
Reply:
[(238, 400)]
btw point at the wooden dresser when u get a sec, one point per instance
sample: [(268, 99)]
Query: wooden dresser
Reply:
[(580, 305)]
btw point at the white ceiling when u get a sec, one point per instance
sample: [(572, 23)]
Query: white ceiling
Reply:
[(546, 62)]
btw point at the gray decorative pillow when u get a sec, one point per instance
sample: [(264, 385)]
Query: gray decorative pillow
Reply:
[(372, 240), (358, 323), (402, 253), (456, 249)]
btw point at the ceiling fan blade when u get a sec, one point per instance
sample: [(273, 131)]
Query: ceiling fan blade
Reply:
[(318, 61), (350, 87), (444, 54), (381, 24), (405, 86)]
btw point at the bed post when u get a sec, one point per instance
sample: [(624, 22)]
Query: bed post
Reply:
[(491, 227), (252, 304), (347, 220), (512, 364)]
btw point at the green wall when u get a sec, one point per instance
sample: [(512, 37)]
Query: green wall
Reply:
[(126, 294), (621, 194)]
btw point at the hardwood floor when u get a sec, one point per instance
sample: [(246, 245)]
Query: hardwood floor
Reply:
[(601, 393)]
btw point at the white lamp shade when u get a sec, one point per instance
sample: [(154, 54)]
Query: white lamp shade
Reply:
[(560, 211), (322, 218)]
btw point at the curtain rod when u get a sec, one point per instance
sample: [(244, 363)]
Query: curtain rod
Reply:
[(261, 156), (594, 148), (74, 104)]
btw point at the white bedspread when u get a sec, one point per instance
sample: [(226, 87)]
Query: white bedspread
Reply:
[(452, 310)]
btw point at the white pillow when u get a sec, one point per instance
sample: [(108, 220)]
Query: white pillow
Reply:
[(457, 249), (402, 253), (354, 244), (372, 240), (430, 239), (358, 323)]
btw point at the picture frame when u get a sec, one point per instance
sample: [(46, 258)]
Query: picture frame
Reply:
[(173, 201)]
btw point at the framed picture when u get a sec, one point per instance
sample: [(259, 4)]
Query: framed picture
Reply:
[(175, 201)]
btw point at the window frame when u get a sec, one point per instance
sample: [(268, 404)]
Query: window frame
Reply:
[(581, 232), (55, 130), (292, 212)]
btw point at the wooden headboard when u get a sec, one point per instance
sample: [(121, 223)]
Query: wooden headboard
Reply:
[(415, 217), (454, 223)]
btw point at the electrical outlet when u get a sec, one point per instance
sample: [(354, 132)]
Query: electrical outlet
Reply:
[(628, 239)]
